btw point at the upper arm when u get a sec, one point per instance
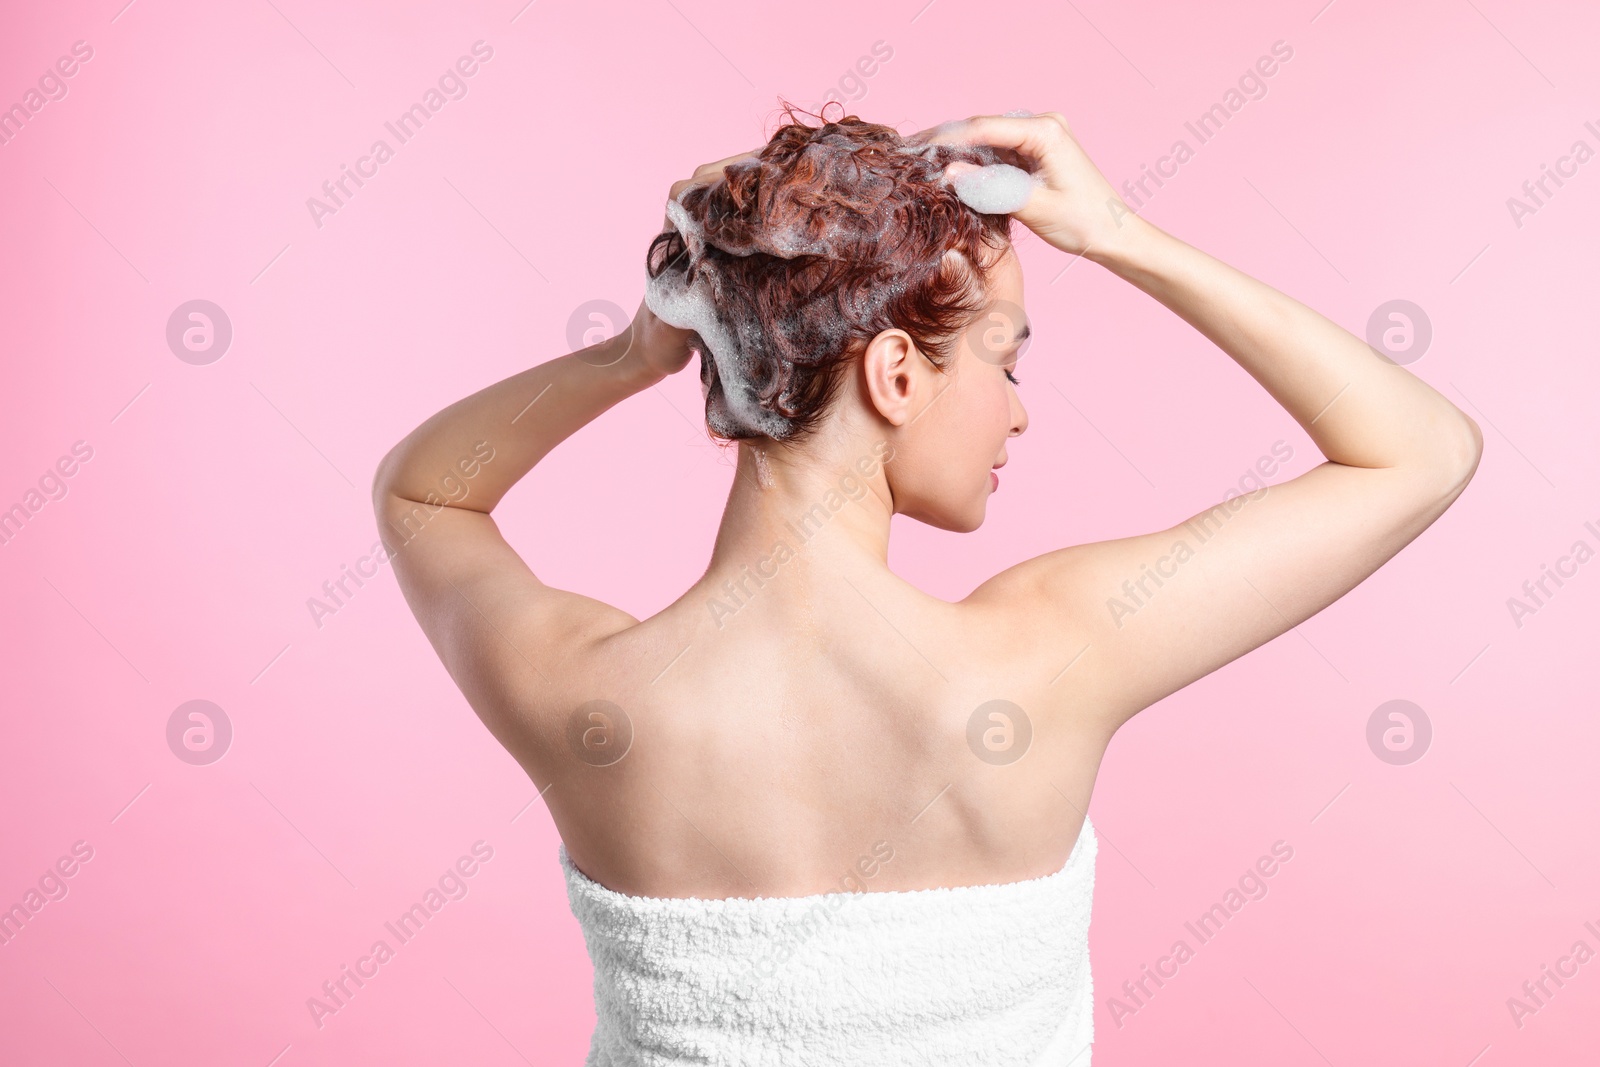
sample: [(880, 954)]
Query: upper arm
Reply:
[(506, 638), (1141, 617)]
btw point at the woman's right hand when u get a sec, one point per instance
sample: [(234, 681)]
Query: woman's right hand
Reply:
[(705, 174), (1075, 209)]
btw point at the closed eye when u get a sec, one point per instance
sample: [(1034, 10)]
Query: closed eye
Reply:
[(1013, 379)]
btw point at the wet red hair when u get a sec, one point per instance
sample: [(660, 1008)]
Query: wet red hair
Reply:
[(829, 236)]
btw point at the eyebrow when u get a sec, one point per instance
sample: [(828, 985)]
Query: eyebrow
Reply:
[(1024, 333)]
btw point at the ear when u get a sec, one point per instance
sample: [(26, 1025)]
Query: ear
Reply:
[(892, 367)]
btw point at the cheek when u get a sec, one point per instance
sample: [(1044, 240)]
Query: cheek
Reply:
[(978, 428), (995, 412), (972, 427)]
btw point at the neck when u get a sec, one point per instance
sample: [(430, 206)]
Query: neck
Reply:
[(797, 519)]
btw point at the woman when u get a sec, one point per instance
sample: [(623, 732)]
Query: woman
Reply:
[(797, 821)]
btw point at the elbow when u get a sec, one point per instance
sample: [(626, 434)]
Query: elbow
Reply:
[(1469, 450), (398, 517), (389, 486), (1459, 461), (383, 480)]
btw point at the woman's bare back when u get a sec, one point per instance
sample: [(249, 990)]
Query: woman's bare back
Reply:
[(843, 732)]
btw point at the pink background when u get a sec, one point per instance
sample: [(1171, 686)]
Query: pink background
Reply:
[(220, 497)]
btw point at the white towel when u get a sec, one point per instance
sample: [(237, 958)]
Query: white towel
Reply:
[(992, 974)]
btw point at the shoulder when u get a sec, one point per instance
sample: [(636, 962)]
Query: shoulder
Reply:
[(519, 649), (1051, 620)]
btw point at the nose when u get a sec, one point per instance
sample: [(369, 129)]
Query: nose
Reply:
[(1019, 415)]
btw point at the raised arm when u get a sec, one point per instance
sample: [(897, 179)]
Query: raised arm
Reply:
[(505, 636), (500, 631), (1152, 613)]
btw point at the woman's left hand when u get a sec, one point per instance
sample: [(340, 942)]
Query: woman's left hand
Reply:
[(664, 348)]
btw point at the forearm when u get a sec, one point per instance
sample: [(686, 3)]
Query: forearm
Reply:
[(514, 422), (1360, 409)]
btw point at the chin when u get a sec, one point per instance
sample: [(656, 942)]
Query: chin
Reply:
[(956, 522)]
